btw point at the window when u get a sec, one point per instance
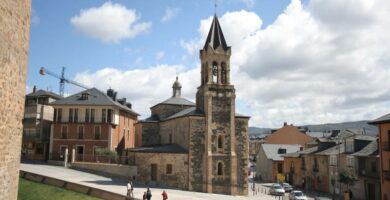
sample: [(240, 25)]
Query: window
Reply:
[(64, 132), (97, 133), (55, 115), (80, 132), (59, 113), (84, 96), (220, 142), (169, 169), (170, 138), (220, 169), (92, 115), (215, 72), (373, 167), (350, 161), (128, 134), (87, 115), (333, 160), (109, 115), (280, 168), (70, 115), (104, 115), (76, 115), (349, 146)]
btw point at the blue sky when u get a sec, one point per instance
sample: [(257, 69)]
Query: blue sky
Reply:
[(295, 61), (54, 42)]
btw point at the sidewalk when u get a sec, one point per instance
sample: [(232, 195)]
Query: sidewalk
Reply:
[(119, 185)]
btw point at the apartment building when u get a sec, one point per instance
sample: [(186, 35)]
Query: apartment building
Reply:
[(383, 124), (38, 116), (89, 120)]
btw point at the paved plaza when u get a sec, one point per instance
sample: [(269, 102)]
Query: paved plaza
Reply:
[(117, 185)]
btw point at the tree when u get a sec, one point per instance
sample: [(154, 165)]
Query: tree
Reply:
[(347, 177)]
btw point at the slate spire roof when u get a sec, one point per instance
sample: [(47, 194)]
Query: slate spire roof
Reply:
[(215, 37)]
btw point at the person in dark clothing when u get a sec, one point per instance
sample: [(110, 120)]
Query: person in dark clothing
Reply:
[(144, 197), (148, 194)]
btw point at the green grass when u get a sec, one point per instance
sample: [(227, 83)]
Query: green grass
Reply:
[(37, 191)]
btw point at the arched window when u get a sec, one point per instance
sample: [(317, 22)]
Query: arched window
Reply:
[(220, 169), (220, 142), (223, 73), (215, 72)]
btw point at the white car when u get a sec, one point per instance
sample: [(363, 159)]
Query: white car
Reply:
[(297, 195), (276, 189)]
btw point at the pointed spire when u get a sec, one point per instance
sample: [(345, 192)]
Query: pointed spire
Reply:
[(215, 37), (176, 88)]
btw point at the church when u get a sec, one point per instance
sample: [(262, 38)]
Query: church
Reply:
[(200, 146)]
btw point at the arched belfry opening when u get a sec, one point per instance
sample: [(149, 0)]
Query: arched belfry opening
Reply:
[(223, 73), (215, 72)]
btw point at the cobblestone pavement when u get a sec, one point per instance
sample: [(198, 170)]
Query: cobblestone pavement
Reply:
[(119, 185)]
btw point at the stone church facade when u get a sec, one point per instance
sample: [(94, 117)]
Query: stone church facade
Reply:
[(200, 146)]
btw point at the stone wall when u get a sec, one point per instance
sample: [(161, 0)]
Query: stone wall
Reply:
[(196, 149), (178, 129), (14, 41), (149, 133), (107, 169), (179, 161), (242, 151)]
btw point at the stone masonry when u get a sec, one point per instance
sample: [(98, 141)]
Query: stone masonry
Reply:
[(14, 41)]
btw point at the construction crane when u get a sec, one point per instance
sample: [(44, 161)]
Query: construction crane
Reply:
[(62, 78)]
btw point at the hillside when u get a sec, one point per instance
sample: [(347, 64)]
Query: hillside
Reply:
[(354, 126)]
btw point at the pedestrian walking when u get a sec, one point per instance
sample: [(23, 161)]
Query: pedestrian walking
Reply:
[(164, 195), (130, 189), (148, 194), (144, 197)]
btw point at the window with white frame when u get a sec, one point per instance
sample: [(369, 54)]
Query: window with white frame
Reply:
[(349, 146), (350, 161), (333, 160)]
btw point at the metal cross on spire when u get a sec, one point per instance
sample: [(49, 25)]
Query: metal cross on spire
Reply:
[(215, 7)]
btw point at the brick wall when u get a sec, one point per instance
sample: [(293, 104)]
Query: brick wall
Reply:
[(14, 40)]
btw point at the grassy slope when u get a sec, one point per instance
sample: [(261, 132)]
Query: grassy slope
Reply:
[(37, 191)]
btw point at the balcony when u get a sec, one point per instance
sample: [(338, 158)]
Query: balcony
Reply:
[(385, 146), (43, 112)]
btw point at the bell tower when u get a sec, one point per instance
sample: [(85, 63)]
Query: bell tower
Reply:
[(216, 99)]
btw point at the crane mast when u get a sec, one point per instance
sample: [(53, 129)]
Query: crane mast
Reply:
[(63, 80)]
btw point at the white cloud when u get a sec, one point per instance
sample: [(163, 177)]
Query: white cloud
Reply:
[(309, 66), (305, 67), (110, 22), (169, 14), (160, 55), (249, 3), (143, 87)]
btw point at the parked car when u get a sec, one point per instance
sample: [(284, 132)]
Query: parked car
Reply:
[(297, 195), (276, 189), (287, 187)]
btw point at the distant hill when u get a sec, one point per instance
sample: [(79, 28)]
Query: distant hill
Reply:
[(357, 126)]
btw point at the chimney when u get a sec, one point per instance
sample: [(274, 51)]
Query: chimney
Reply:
[(285, 124), (122, 101), (128, 105), (34, 89)]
